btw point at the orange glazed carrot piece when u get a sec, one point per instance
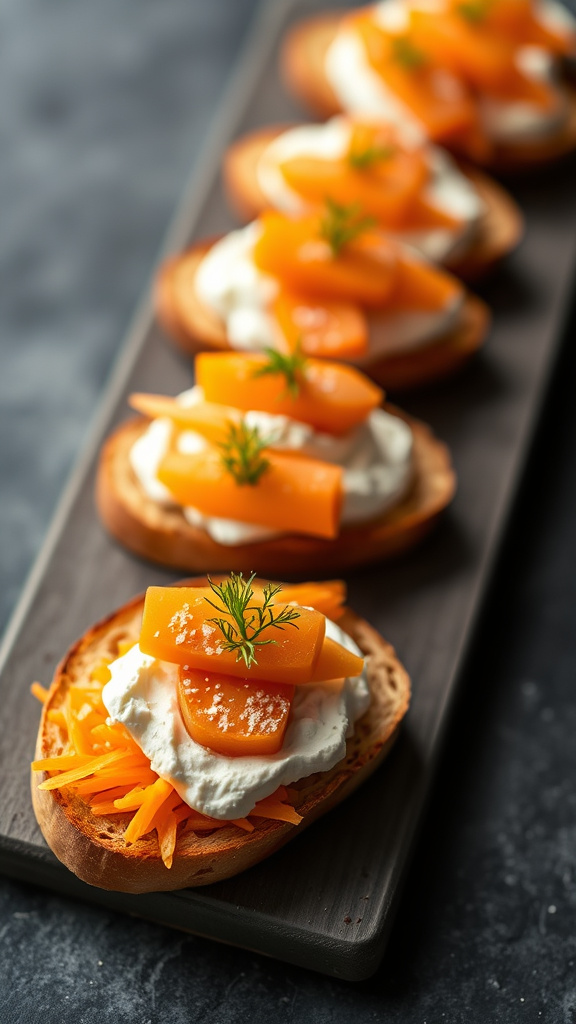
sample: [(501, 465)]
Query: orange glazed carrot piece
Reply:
[(332, 397), (327, 328), (327, 597), (232, 716), (294, 494), (406, 66), (335, 662), (422, 286), (210, 419), (377, 173), (176, 627), (295, 251)]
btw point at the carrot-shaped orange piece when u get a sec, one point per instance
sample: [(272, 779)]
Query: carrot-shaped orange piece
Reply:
[(408, 68), (422, 286), (328, 597), (327, 327), (377, 174), (335, 662), (180, 625), (332, 397), (211, 419), (293, 494), (334, 255), (232, 716)]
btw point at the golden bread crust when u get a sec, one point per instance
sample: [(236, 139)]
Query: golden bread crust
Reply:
[(164, 535), (94, 849)]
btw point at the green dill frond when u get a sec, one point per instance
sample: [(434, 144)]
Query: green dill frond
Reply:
[(473, 11), (289, 365), (407, 54), (362, 159), (242, 453), (341, 224), (248, 620)]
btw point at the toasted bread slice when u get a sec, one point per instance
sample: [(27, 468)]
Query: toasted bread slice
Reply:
[(195, 328), (302, 61), (94, 848), (497, 234), (164, 535)]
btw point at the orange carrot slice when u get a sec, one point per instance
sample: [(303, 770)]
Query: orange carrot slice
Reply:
[(384, 186), (176, 627), (294, 250), (335, 662), (326, 328), (422, 286), (210, 419), (332, 397), (517, 21), (328, 597), (442, 105), (233, 716), (294, 494)]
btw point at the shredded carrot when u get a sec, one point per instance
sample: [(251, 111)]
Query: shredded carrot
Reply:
[(141, 823), (75, 774), (107, 768), (40, 692), (244, 824), (102, 810), (109, 795), (61, 763), (58, 717)]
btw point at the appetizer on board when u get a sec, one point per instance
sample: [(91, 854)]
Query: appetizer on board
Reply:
[(284, 464), (414, 191), (333, 283), (195, 731), (481, 77)]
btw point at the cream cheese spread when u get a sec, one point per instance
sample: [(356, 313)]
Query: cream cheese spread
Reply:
[(142, 695), (362, 91), (448, 189), (229, 283), (376, 456)]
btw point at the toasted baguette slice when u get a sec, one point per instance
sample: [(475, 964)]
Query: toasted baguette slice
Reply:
[(94, 848), (498, 232), (302, 61), (196, 328), (164, 535)]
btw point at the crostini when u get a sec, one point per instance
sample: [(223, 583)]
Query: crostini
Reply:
[(286, 465), (190, 734), (415, 192), (330, 282), (481, 78)]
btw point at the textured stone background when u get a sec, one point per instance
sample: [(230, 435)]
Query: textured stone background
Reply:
[(103, 107)]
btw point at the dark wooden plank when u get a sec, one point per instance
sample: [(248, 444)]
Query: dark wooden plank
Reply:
[(326, 900)]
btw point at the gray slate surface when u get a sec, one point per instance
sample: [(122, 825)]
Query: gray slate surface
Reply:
[(102, 110)]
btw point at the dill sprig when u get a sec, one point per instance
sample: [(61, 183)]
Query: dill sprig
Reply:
[(473, 11), (407, 54), (362, 159), (242, 453), (288, 364), (341, 224), (249, 620)]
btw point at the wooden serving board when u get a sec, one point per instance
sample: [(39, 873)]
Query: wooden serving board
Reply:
[(326, 901)]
